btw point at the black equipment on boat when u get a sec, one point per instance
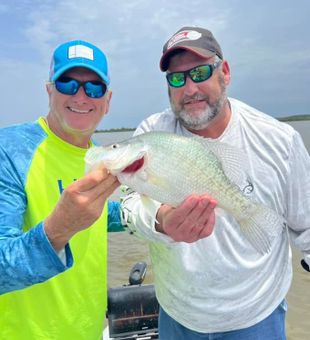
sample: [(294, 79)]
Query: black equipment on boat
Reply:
[(133, 309)]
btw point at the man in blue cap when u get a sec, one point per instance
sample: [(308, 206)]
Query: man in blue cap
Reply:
[(53, 233)]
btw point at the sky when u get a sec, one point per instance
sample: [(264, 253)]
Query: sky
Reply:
[(267, 45)]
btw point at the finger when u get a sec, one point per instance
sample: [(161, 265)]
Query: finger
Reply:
[(199, 222), (96, 205), (206, 207), (184, 210), (196, 232), (181, 219), (103, 189), (193, 213), (210, 199), (87, 206), (184, 218), (90, 180), (208, 228), (107, 189)]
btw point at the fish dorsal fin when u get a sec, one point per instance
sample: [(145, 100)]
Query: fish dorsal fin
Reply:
[(234, 162)]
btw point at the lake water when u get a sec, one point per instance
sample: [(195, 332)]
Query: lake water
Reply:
[(125, 250)]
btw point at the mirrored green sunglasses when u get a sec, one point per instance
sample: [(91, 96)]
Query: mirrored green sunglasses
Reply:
[(197, 74)]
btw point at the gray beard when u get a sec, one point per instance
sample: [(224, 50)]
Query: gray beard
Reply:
[(203, 120)]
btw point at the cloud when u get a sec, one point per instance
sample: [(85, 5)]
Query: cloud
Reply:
[(267, 45), (23, 91), (4, 8)]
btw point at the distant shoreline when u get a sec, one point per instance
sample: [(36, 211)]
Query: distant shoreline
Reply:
[(115, 130), (296, 118)]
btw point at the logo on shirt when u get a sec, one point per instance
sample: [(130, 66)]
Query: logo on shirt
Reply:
[(248, 189), (60, 186)]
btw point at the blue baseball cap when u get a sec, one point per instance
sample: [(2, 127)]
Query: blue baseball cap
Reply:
[(79, 53)]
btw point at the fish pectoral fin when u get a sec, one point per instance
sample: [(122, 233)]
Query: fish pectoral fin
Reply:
[(159, 182), (146, 177)]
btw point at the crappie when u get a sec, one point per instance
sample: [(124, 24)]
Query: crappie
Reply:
[(168, 168)]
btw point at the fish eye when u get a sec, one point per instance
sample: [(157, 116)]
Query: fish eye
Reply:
[(114, 146)]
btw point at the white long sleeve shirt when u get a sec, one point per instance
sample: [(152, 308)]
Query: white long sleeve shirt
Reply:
[(221, 282)]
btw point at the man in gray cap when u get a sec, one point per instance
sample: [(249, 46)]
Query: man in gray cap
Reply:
[(210, 281), (53, 219)]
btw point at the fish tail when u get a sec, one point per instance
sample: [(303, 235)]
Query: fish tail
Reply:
[(261, 226)]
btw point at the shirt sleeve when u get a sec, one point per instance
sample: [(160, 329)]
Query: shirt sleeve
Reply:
[(139, 216), (26, 258), (114, 218), (298, 197)]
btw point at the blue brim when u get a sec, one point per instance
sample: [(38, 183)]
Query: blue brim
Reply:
[(69, 66)]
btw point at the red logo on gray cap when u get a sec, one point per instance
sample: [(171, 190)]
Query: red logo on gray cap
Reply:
[(183, 36)]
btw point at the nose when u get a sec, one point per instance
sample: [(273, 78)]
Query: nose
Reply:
[(190, 86), (80, 96)]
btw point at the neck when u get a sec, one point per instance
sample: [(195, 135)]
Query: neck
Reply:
[(217, 126), (77, 138)]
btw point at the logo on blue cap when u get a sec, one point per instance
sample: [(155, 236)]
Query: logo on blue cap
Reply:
[(79, 53)]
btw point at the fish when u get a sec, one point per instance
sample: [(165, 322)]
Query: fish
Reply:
[(168, 167)]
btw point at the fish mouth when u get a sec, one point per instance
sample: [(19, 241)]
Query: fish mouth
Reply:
[(135, 166)]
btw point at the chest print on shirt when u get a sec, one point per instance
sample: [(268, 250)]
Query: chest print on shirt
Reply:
[(248, 188), (60, 186)]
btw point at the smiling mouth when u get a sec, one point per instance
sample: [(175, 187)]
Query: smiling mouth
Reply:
[(195, 101), (78, 111), (135, 166)]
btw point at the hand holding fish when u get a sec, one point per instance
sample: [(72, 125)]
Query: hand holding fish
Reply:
[(191, 221), (80, 205)]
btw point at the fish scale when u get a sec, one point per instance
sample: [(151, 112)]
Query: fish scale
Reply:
[(175, 167)]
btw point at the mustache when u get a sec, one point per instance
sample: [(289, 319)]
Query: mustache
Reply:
[(186, 99)]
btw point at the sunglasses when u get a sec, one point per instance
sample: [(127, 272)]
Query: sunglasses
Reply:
[(92, 89), (197, 74)]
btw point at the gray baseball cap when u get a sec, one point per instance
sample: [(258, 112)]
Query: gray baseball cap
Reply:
[(190, 38)]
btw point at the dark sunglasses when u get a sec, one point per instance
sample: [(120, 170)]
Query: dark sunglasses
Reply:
[(69, 86), (197, 74)]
